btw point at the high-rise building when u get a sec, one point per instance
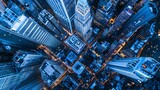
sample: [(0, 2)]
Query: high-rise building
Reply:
[(145, 14), (64, 11), (50, 22), (33, 83), (28, 58), (83, 19), (21, 28), (10, 76), (140, 69), (122, 17), (105, 12), (11, 38)]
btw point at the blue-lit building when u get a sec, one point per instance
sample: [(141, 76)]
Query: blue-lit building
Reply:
[(10, 76), (79, 44), (75, 43), (27, 58), (64, 11), (83, 19), (140, 5), (105, 12), (24, 31), (121, 19), (11, 38), (9, 17), (78, 68), (141, 69), (51, 71), (144, 15), (71, 57), (33, 83), (48, 20)]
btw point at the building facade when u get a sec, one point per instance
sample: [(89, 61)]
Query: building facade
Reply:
[(142, 17), (50, 22), (20, 28), (83, 19), (33, 83), (10, 76), (64, 11), (141, 69)]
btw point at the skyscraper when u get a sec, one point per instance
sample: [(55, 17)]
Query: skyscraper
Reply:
[(11, 38), (10, 77), (64, 11), (50, 22), (83, 19), (122, 17), (145, 14), (21, 28), (33, 83), (105, 12), (141, 69)]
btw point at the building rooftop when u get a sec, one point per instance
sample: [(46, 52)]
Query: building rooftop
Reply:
[(24, 58), (71, 57), (140, 69), (78, 68), (75, 43), (51, 71)]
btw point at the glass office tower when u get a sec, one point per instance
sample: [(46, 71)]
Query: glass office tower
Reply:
[(24, 31), (141, 69), (143, 16), (10, 76), (64, 11)]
